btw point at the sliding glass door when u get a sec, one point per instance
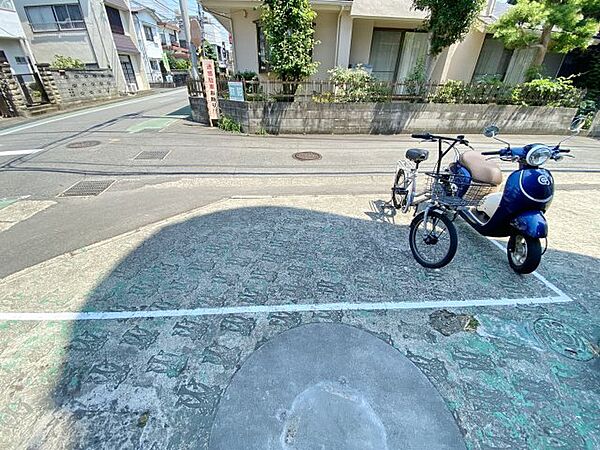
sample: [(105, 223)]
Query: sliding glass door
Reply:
[(395, 53)]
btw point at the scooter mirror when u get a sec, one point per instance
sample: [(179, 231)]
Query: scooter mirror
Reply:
[(491, 131), (577, 124)]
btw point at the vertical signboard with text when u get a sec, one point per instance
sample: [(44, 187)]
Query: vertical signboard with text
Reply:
[(210, 88)]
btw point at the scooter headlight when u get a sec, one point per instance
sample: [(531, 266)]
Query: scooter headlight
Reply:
[(538, 155)]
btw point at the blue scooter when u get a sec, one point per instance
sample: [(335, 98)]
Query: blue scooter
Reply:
[(517, 211)]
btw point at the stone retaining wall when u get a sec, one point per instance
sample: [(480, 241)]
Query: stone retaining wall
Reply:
[(391, 118), (86, 85)]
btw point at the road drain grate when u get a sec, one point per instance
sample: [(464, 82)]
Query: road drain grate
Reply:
[(306, 156), (83, 144), (87, 188), (152, 154)]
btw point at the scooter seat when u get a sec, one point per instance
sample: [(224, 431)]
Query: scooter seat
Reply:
[(417, 154), (481, 169)]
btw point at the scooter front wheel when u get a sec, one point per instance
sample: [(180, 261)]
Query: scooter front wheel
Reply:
[(433, 242), (524, 253)]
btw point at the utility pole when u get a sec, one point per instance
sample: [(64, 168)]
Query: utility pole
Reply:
[(188, 36)]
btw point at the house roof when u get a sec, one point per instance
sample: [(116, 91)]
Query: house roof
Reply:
[(386, 9)]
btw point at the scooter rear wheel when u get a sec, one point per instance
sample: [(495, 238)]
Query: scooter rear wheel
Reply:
[(524, 253), (433, 243)]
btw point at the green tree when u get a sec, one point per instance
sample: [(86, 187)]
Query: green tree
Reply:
[(290, 34), (209, 50), (447, 23), (556, 25)]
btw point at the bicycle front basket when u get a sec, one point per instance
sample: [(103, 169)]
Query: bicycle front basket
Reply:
[(456, 191)]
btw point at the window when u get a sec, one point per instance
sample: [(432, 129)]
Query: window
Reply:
[(148, 32), (114, 18), (173, 39), (7, 4), (263, 50), (20, 60), (396, 53), (55, 17), (3, 58), (163, 39), (493, 59), (154, 64)]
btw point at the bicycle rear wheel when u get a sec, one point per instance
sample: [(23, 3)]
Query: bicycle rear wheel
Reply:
[(433, 243), (400, 190)]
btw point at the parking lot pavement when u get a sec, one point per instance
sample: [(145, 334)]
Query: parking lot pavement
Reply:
[(147, 339)]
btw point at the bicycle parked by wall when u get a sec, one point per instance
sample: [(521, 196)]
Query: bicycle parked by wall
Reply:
[(469, 187)]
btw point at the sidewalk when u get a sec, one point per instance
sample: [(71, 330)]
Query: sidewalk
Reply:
[(149, 339)]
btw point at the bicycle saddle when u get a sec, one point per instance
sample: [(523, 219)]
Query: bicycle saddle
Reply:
[(417, 154)]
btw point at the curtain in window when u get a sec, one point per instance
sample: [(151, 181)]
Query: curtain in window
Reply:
[(493, 59), (520, 62), (384, 53), (414, 49)]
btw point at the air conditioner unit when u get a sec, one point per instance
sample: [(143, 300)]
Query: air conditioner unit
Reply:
[(132, 87)]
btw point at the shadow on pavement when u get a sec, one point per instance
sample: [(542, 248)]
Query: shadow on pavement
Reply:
[(522, 377)]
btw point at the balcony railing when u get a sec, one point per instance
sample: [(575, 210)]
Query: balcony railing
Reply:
[(58, 26)]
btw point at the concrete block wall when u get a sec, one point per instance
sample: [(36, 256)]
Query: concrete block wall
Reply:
[(199, 110), (595, 128), (87, 85), (393, 118)]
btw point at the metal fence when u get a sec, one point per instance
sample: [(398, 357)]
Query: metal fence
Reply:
[(451, 92)]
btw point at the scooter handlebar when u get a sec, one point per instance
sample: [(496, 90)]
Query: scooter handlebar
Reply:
[(565, 150)]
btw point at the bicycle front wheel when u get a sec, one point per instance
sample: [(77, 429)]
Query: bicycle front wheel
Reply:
[(433, 243)]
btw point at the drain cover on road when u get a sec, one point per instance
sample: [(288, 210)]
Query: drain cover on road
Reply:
[(152, 154), (87, 188), (83, 144), (563, 339), (306, 156)]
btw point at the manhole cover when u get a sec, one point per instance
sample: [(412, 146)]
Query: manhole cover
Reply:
[(306, 156), (563, 339), (152, 154), (83, 144), (87, 188)]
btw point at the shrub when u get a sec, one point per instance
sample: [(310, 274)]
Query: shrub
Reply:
[(587, 108), (354, 85), (229, 124), (246, 75), (547, 92), (417, 79), (452, 91), (66, 62)]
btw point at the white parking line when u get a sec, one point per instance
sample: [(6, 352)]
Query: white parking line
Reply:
[(264, 309), (20, 152), (87, 111)]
